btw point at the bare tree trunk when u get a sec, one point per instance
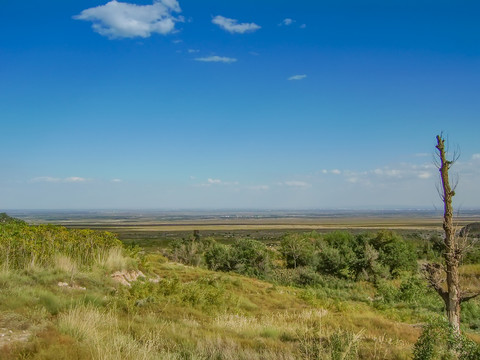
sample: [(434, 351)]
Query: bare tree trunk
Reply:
[(452, 254)]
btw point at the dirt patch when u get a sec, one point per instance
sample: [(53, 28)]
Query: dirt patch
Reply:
[(127, 277), (8, 337), (73, 286)]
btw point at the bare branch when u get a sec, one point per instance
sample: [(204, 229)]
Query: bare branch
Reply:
[(434, 273), (466, 297), (465, 243), (454, 182)]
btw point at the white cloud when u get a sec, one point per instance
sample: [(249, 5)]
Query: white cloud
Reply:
[(124, 20), (214, 181), (232, 25), (116, 180), (75, 179), (295, 183), (297, 77), (218, 182), (476, 157), (334, 171), (287, 22), (50, 179), (424, 175), (192, 51), (216, 58), (403, 172)]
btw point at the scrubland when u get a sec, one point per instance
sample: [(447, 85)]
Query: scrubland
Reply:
[(309, 296)]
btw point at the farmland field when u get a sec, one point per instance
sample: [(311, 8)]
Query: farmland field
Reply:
[(156, 228)]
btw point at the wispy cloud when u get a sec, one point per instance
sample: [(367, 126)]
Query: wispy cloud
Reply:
[(117, 20), (215, 58), (233, 26), (218, 182), (116, 180), (334, 171), (193, 51), (214, 181), (476, 157), (286, 22), (75, 179), (50, 179), (303, 26), (297, 77), (297, 184), (401, 173)]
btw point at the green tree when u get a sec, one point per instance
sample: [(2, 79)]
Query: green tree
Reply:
[(297, 250)]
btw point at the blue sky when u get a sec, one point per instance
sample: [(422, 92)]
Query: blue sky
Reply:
[(236, 104)]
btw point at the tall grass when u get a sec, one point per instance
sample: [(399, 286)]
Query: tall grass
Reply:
[(99, 331), (23, 246)]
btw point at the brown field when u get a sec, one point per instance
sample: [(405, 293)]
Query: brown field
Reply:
[(154, 231)]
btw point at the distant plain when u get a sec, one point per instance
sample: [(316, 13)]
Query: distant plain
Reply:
[(156, 227)]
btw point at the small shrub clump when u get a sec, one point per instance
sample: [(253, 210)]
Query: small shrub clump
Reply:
[(439, 341)]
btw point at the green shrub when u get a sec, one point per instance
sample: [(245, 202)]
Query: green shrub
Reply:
[(470, 314), (386, 292), (22, 245), (218, 257), (250, 257), (336, 261), (187, 251), (395, 252), (297, 250), (438, 341)]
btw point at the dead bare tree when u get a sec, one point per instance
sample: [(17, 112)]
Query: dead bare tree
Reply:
[(445, 278)]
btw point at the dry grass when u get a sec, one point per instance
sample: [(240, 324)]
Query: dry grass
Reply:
[(65, 263), (99, 331), (114, 260)]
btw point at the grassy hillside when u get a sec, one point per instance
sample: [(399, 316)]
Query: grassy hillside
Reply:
[(94, 299)]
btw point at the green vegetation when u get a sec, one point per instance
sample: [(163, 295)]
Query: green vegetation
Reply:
[(22, 245), (5, 219), (335, 295)]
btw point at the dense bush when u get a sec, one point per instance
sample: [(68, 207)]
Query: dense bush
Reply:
[(191, 250), (23, 245), (297, 250), (250, 257), (394, 252), (364, 257), (245, 256), (340, 254), (438, 341), (219, 257)]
